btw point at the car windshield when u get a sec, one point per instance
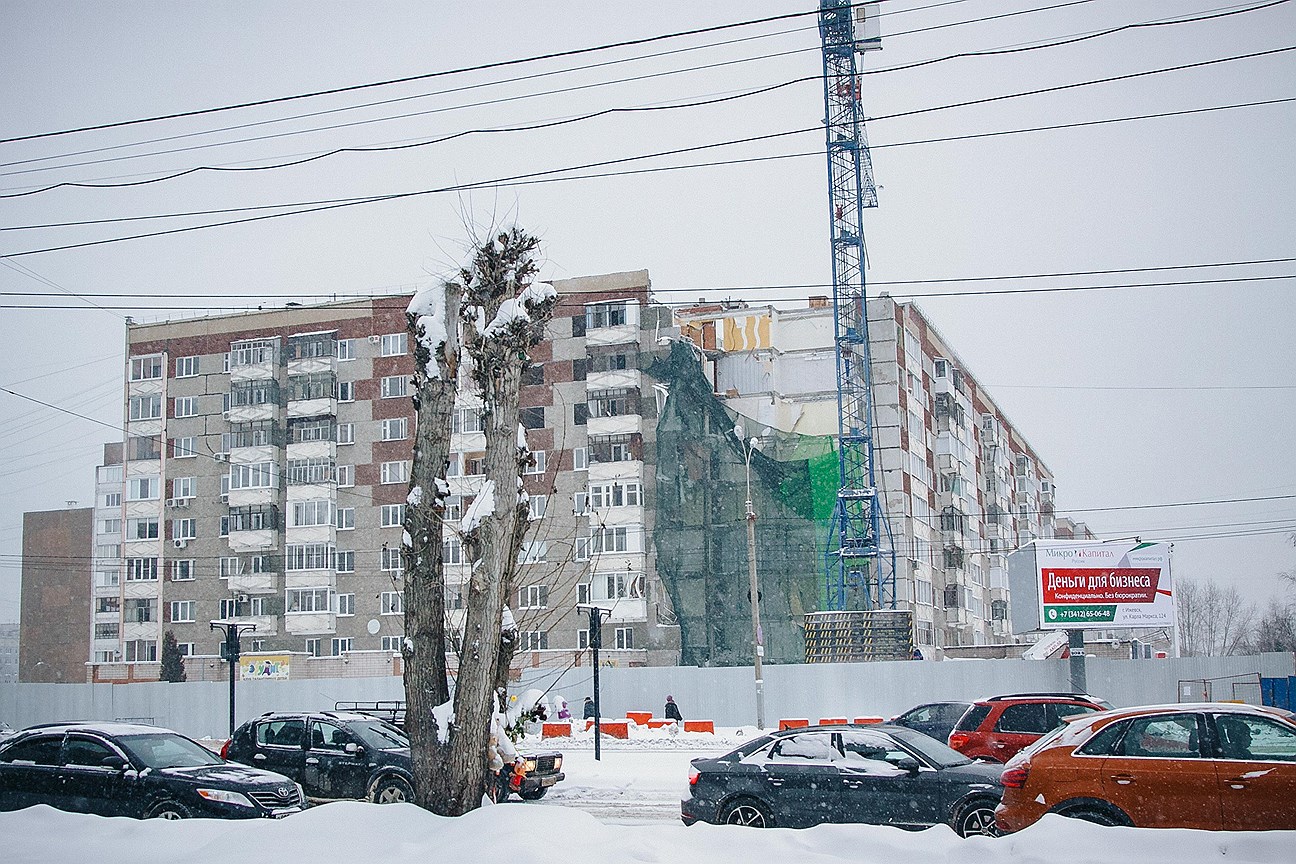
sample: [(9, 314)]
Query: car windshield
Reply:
[(378, 735), (749, 748), (162, 750), (932, 750)]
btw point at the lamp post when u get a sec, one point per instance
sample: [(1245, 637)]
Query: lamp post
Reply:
[(596, 614), (230, 651), (758, 641)]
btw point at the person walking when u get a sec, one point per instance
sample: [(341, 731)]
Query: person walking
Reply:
[(672, 711), (589, 708)]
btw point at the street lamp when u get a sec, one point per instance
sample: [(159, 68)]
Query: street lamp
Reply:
[(596, 614), (231, 650), (750, 444)]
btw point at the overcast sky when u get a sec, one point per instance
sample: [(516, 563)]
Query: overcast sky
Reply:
[(1163, 398)]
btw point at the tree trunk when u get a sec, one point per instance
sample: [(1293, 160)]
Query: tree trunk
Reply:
[(424, 649)]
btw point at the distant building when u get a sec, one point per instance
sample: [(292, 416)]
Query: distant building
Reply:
[(54, 630), (8, 653)]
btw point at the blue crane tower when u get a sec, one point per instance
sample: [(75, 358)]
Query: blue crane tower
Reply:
[(859, 567)]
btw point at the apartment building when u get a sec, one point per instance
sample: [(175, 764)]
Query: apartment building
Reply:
[(265, 471), (961, 485)]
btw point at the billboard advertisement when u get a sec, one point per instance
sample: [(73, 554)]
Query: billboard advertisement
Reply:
[(1083, 585)]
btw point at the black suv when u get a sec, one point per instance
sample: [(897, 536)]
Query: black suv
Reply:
[(337, 754), (119, 769)]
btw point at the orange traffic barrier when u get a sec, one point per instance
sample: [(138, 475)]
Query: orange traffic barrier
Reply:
[(556, 730), (658, 722), (615, 728), (640, 717), (796, 723), (833, 721), (868, 721), (699, 726)]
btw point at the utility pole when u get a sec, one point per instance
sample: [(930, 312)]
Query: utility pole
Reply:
[(596, 614), (753, 586), (230, 651)]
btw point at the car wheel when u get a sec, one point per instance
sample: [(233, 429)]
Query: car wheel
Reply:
[(976, 818), (391, 790), (534, 794), (1096, 815), (749, 812), (168, 810)]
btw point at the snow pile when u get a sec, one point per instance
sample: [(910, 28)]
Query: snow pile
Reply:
[(482, 505), (515, 312), (399, 833), (428, 309)]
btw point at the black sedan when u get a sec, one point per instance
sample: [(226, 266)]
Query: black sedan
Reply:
[(936, 719), (882, 775), (119, 769)]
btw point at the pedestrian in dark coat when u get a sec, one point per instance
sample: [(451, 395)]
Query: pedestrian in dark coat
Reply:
[(672, 711), (589, 708)]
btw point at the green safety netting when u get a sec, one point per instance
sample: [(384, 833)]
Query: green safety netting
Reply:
[(700, 534)]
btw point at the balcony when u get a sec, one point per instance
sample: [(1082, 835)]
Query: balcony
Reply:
[(309, 623), (252, 583)]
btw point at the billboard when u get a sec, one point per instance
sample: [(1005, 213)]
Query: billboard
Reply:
[(1076, 585)]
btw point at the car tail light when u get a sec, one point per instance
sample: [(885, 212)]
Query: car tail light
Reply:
[(693, 776), (224, 751), (959, 740), (1015, 776)]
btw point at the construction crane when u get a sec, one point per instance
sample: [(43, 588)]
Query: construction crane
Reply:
[(859, 563)]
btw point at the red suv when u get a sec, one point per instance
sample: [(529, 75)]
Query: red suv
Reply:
[(998, 727)]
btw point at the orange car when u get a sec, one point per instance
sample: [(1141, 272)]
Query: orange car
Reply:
[(1211, 765)]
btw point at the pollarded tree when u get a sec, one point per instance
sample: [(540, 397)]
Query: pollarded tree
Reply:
[(502, 313)]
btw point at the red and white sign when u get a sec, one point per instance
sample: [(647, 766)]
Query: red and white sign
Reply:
[(1091, 585)]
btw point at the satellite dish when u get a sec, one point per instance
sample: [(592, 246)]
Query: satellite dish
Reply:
[(374, 626)]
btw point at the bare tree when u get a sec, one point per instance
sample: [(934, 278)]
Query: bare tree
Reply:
[(1212, 620), (503, 318), (1275, 630)]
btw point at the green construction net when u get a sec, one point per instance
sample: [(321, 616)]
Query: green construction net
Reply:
[(700, 533)]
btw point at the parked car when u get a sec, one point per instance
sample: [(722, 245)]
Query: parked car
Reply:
[(1212, 766), (999, 727), (936, 719), (336, 754), (119, 769), (882, 775)]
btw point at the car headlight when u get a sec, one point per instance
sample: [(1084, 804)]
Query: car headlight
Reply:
[(557, 763), (530, 766), (301, 794), (225, 796)]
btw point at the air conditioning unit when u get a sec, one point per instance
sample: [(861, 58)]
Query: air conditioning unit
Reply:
[(177, 502), (179, 543), (240, 598), (221, 457), (374, 340)]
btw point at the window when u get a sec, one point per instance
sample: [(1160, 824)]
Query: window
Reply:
[(107, 631), (313, 647), (624, 637), (616, 586), (182, 569), (183, 487), (391, 560), (231, 566), (252, 352), (144, 528), (532, 418), (533, 640), (533, 597), (346, 391), (186, 406), (582, 639), (536, 506), (257, 645), (582, 551), (393, 344), (138, 611), (1254, 739), (184, 529), (452, 551), (580, 503), (392, 643), (474, 464), (346, 519), (395, 472), (395, 429), (345, 604), (345, 476), (536, 465), (341, 645), (183, 610), (316, 429), (186, 367), (583, 593), (229, 608), (261, 517), (146, 368), (467, 420), (1026, 717), (308, 556), (141, 651), (141, 569), (608, 539), (308, 472), (308, 600), (345, 562), (346, 433), (615, 495), (393, 603), (392, 515), (146, 407), (580, 414), (259, 475), (345, 349), (315, 512), (605, 315), (394, 386), (533, 552), (454, 508)]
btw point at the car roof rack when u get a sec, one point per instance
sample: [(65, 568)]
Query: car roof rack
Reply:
[(1047, 695)]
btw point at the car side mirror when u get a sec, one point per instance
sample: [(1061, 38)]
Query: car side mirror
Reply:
[(352, 747), (907, 764), (115, 762)]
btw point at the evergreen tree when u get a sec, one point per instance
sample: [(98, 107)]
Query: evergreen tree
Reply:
[(172, 660)]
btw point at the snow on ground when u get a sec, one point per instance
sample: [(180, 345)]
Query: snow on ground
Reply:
[(623, 807)]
